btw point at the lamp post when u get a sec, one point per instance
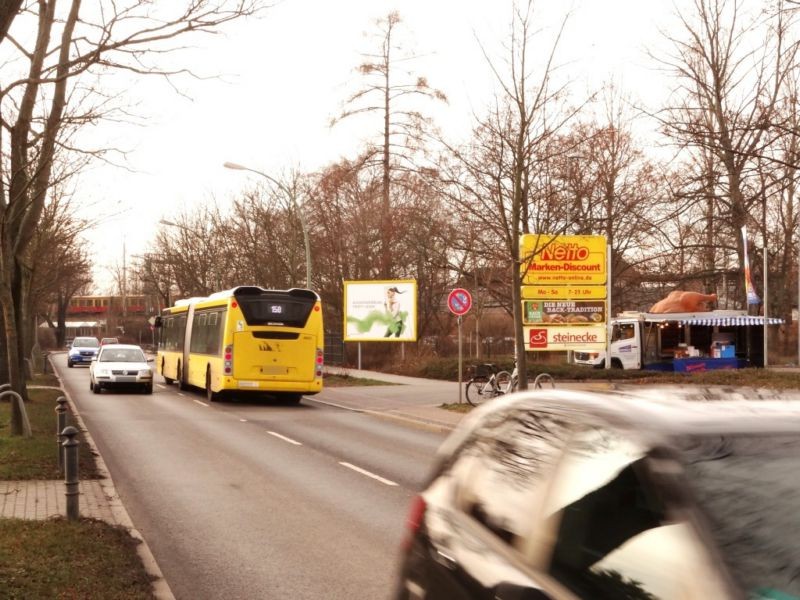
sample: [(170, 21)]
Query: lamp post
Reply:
[(292, 194)]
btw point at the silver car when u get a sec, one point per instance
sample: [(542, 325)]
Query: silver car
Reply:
[(555, 494), (120, 365)]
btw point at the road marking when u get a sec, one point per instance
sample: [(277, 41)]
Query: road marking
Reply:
[(163, 387), (200, 403), (367, 473), (284, 438), (243, 420)]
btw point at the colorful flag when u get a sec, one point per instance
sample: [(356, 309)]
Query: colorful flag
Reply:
[(752, 297)]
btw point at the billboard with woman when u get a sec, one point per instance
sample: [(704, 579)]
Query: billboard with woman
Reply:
[(380, 311)]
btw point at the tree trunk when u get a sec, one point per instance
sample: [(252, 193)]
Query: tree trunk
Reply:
[(14, 372), (4, 373)]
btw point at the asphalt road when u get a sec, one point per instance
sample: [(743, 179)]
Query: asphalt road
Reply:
[(257, 500)]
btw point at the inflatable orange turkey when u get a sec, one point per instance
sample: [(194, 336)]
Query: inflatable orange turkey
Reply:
[(678, 301)]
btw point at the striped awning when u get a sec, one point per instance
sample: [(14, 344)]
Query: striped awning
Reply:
[(734, 321)]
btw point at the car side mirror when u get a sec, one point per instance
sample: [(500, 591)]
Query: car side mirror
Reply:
[(151, 360)]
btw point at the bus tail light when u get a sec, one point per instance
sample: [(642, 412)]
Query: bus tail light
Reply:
[(320, 361), (228, 364)]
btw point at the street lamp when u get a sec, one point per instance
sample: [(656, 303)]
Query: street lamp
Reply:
[(293, 197), (173, 224)]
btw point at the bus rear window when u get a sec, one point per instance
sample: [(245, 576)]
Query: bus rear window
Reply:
[(276, 309)]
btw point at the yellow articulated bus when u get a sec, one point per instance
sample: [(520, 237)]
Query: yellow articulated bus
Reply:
[(245, 340)]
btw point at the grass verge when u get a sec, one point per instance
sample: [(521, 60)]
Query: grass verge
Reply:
[(345, 380), (37, 457), (447, 369), (70, 559), (57, 558), (464, 407)]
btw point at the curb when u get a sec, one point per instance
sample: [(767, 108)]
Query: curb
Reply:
[(419, 422), (161, 589)]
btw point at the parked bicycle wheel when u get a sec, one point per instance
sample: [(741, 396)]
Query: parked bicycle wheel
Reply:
[(503, 382), (474, 390)]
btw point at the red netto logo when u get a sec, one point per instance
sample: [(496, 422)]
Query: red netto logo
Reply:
[(565, 252)]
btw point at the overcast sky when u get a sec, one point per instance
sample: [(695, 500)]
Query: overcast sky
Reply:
[(284, 75)]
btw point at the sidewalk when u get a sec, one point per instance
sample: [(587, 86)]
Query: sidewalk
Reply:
[(420, 407), (98, 499), (35, 499)]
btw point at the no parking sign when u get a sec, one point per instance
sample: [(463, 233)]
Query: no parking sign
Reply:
[(459, 301)]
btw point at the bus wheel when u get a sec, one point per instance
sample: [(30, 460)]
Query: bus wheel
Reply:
[(181, 383), (169, 380), (211, 395), (291, 398)]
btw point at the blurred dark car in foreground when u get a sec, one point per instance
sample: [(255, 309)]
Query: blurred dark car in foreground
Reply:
[(557, 494)]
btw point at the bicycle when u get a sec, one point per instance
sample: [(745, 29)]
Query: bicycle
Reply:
[(538, 383), (513, 382), (486, 383)]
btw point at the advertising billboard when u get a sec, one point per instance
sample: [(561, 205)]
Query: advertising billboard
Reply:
[(582, 337), (563, 259), (564, 292), (580, 312), (380, 311), (573, 292)]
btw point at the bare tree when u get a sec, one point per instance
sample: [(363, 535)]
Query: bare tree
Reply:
[(729, 67), (403, 127), (58, 263), (69, 46), (191, 249), (499, 172), (612, 189)]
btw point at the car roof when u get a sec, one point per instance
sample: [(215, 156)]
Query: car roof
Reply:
[(659, 412), (122, 347)]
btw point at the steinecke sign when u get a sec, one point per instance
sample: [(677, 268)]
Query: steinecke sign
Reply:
[(565, 338)]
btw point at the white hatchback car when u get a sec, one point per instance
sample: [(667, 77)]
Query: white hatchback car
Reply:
[(120, 365)]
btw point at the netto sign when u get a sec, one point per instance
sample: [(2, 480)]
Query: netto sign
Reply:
[(563, 260)]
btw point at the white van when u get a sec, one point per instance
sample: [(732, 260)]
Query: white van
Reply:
[(681, 341)]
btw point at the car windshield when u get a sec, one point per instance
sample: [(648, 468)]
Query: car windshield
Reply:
[(122, 355), (749, 491), (86, 342)]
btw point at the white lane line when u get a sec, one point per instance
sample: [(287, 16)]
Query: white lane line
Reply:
[(200, 403), (367, 473), (243, 420), (284, 438), (163, 387), (182, 395)]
